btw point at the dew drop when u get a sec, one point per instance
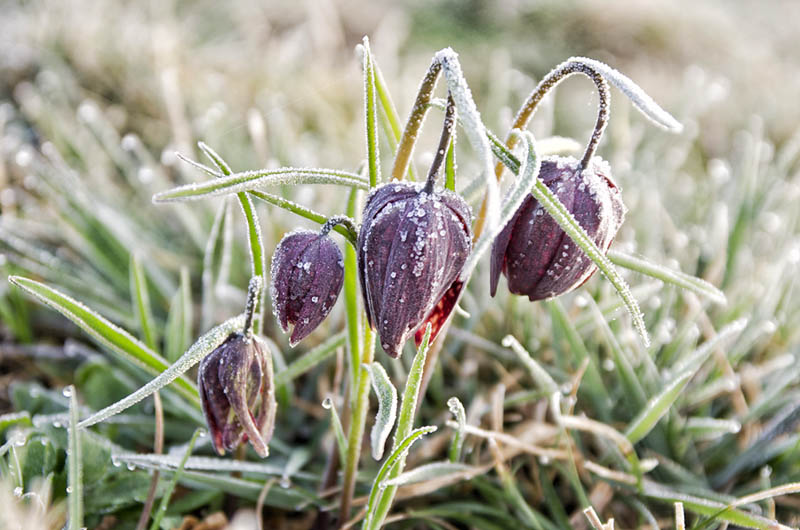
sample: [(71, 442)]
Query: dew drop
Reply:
[(18, 491), (327, 403)]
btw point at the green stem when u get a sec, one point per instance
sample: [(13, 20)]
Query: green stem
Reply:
[(371, 115), (415, 120), (307, 213), (358, 421), (405, 424)]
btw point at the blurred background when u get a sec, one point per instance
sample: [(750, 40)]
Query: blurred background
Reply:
[(96, 96)]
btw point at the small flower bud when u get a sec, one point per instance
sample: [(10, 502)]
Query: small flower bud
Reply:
[(237, 393), (412, 246), (533, 252), (307, 276)]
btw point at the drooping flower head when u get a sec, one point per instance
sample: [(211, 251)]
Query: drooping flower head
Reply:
[(307, 276), (237, 389), (412, 246), (537, 257)]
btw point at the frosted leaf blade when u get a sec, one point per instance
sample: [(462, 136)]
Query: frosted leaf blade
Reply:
[(539, 374), (204, 345), (165, 498), (436, 470), (656, 408), (371, 115), (528, 174), (643, 103), (74, 465), (399, 452), (253, 180), (141, 302), (387, 408), (665, 274), (116, 339), (338, 430), (473, 128), (457, 410)]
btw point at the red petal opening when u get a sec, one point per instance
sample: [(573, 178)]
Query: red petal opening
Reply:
[(440, 313)]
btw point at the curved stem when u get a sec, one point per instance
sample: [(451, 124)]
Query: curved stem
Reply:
[(550, 81), (444, 143), (253, 292), (344, 220)]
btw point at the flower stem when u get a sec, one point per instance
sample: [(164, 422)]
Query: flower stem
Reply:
[(421, 105), (253, 292), (358, 420), (444, 143)]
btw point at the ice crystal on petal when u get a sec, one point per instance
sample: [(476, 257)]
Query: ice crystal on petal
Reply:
[(410, 254)]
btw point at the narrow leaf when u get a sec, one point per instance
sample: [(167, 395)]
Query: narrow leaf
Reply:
[(256, 245), (387, 408), (539, 374), (398, 453), (338, 430), (178, 335), (209, 278), (116, 339), (405, 423), (708, 507), (457, 410), (253, 180), (74, 464), (528, 176), (638, 97), (204, 345), (473, 128), (371, 116), (681, 279), (656, 408), (304, 212), (170, 462), (693, 360), (165, 498), (436, 470), (141, 302)]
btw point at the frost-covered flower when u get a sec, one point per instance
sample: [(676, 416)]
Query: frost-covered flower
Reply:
[(533, 252), (412, 246), (307, 275), (238, 394)]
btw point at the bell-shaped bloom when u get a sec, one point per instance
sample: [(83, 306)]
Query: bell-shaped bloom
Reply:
[(412, 246), (238, 394), (307, 276), (533, 252)]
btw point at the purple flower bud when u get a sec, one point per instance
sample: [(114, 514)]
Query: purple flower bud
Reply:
[(307, 275), (534, 253), (412, 246), (238, 395)]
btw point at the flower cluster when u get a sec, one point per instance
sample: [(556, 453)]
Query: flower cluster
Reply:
[(412, 247)]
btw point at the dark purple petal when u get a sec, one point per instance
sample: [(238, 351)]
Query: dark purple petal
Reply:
[(307, 276), (237, 394), (411, 249), (538, 259)]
